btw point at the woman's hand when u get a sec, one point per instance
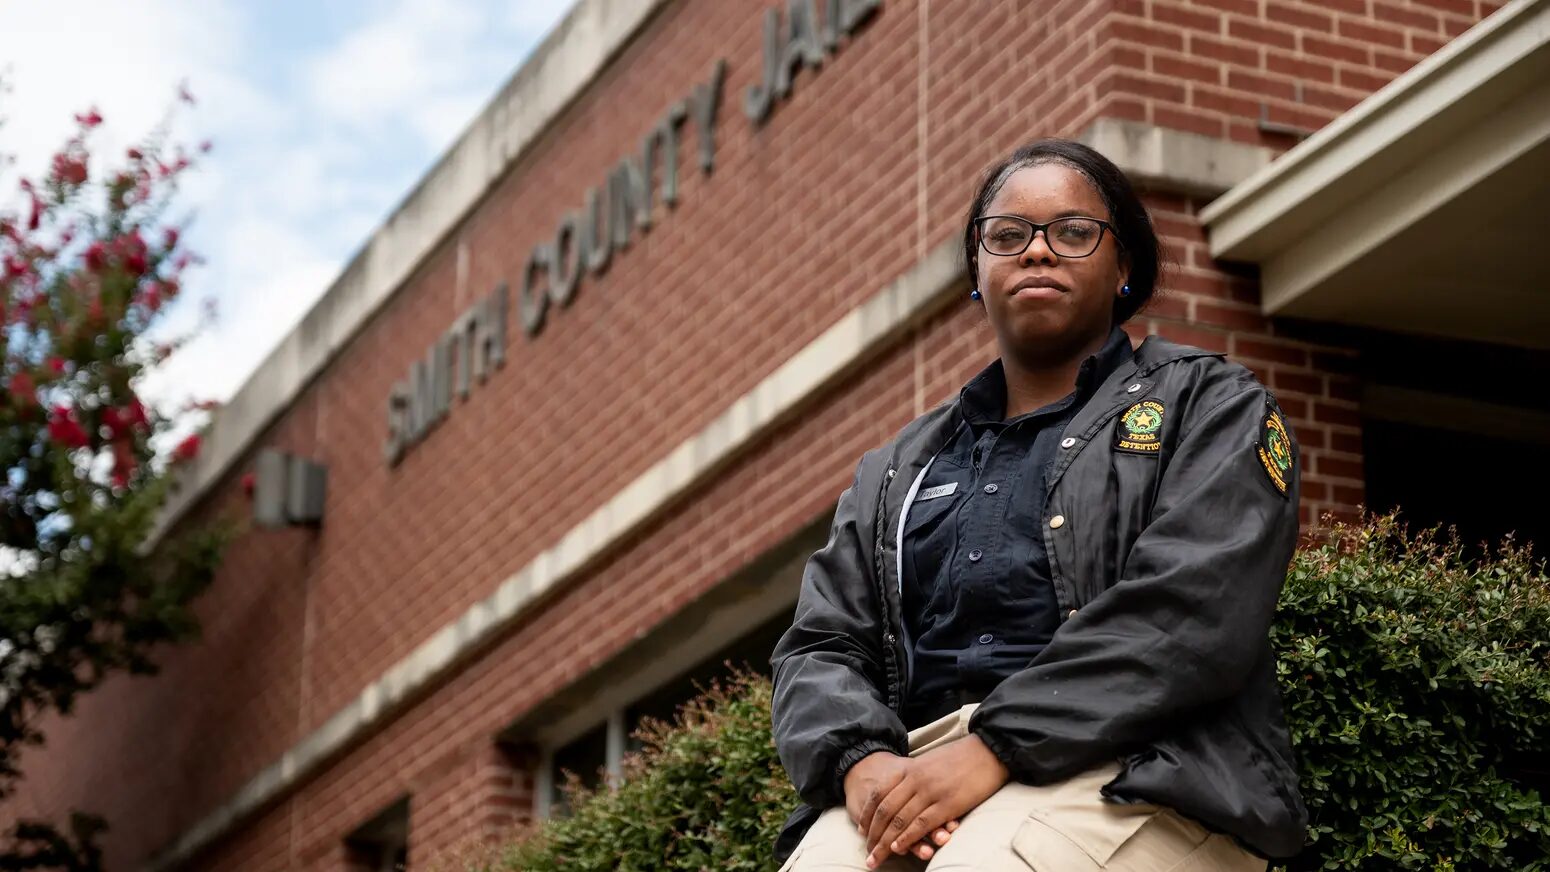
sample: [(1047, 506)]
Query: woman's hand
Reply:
[(869, 781), (923, 793)]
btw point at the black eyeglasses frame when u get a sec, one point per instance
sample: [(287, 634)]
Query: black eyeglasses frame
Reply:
[(979, 233)]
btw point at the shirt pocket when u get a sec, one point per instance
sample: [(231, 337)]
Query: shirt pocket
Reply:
[(926, 515), (928, 542)]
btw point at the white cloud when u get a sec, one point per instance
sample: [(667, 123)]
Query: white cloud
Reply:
[(313, 147), (428, 63), (60, 61)]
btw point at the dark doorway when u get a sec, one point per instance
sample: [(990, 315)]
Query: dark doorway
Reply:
[(1483, 485)]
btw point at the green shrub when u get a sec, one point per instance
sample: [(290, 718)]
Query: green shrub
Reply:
[(1417, 687), (706, 793)]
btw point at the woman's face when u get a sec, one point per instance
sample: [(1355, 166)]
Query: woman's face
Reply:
[(1050, 323)]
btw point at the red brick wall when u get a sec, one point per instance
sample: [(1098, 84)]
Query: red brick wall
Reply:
[(1216, 67), (841, 191)]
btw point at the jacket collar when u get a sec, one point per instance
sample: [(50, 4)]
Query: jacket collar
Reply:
[(983, 400), (925, 436)]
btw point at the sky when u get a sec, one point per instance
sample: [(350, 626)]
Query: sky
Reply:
[(322, 116)]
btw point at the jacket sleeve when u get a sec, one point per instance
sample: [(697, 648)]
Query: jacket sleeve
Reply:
[(828, 709), (1183, 625)]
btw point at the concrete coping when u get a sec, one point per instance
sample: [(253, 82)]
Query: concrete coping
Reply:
[(554, 75)]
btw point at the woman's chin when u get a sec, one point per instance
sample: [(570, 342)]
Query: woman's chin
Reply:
[(1036, 335)]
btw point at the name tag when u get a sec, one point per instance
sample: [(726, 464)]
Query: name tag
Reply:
[(941, 490)]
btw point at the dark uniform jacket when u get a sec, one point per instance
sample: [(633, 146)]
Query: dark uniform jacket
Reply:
[(1170, 518)]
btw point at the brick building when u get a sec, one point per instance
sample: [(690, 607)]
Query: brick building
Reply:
[(585, 400)]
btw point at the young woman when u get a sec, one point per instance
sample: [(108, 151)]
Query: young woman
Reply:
[(1038, 634)]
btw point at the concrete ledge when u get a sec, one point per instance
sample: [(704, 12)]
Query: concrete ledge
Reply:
[(557, 72), (1175, 160), (839, 350)]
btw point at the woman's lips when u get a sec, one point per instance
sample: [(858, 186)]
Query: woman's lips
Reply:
[(1038, 292), (1038, 288)]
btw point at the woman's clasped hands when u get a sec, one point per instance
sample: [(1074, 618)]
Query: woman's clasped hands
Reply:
[(904, 804)]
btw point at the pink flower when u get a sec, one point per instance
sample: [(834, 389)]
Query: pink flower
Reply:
[(69, 169), (184, 94), (170, 237), (135, 154), (135, 414), (57, 364), (133, 248), (124, 463), (113, 421), (21, 387), (96, 256), (187, 449), (89, 119), (64, 429)]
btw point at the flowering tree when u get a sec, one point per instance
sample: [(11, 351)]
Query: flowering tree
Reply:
[(88, 261)]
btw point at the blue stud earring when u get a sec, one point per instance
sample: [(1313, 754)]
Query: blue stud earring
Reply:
[(974, 294), (1125, 291)]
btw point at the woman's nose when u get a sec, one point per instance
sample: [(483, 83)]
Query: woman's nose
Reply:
[(1038, 250)]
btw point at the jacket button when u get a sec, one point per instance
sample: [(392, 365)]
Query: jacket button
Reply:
[(991, 488), (1057, 522), (987, 639), (975, 555), (1071, 615), (1133, 388), (892, 473), (1067, 442), (888, 637)]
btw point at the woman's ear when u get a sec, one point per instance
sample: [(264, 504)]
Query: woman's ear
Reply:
[(1124, 276)]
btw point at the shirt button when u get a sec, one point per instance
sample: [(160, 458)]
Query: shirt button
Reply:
[(991, 488), (892, 473), (1067, 442), (1133, 388), (986, 639), (975, 555), (1057, 522)]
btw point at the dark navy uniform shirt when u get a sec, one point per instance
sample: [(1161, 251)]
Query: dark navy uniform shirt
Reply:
[(978, 600)]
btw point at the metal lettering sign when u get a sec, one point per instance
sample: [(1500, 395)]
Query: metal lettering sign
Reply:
[(611, 213)]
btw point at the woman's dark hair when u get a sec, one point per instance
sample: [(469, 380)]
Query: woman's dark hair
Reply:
[(1132, 223)]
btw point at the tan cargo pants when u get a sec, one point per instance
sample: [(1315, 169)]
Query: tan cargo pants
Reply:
[(1064, 827)]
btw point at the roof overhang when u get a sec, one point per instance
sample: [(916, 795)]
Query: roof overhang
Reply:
[(1424, 208)]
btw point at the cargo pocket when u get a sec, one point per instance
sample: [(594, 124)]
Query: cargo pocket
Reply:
[(1078, 840)]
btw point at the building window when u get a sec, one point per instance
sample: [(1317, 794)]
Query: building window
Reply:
[(597, 756), (382, 843), (586, 758)]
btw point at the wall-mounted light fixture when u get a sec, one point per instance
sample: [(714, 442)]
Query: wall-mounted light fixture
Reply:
[(287, 490)]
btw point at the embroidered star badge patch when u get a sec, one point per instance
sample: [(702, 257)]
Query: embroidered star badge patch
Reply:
[(1140, 428), (1275, 450)]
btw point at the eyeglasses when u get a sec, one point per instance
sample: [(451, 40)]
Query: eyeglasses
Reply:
[(1009, 235)]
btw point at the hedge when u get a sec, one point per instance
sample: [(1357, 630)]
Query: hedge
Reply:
[(1417, 687)]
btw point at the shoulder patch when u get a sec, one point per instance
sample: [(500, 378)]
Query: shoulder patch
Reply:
[(1274, 449), (1140, 428)]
